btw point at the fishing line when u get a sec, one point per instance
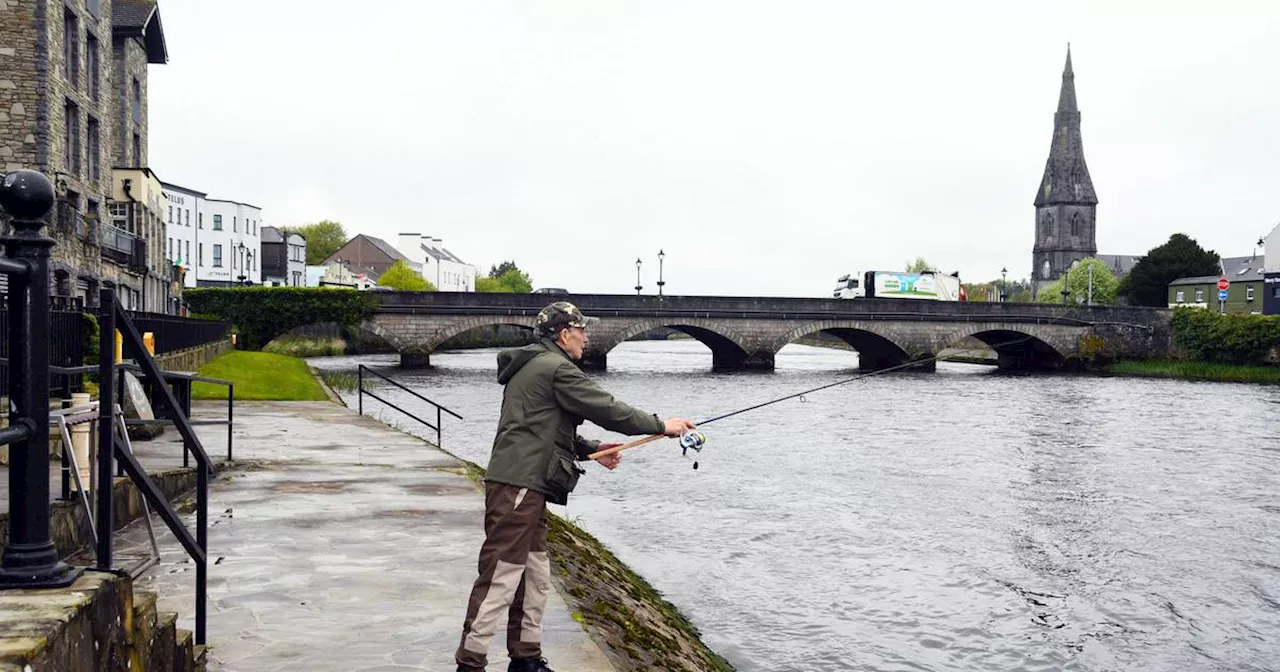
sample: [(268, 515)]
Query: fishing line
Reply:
[(695, 441)]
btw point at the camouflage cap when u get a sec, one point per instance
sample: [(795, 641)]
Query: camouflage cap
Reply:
[(562, 314)]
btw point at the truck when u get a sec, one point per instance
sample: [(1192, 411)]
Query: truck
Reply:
[(929, 286)]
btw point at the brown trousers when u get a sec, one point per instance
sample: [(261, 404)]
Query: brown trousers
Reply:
[(515, 576)]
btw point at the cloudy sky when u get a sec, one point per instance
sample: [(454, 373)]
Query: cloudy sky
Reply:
[(767, 147)]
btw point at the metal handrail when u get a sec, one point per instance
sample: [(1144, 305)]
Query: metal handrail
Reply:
[(111, 445), (360, 401)]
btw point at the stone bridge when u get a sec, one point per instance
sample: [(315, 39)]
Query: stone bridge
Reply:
[(746, 332)]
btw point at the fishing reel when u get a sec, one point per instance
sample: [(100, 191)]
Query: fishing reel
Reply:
[(692, 441)]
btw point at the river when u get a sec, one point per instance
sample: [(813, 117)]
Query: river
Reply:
[(957, 520)]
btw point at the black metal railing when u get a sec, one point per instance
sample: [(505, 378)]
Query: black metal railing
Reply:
[(66, 336), (112, 445), (360, 402), (173, 333)]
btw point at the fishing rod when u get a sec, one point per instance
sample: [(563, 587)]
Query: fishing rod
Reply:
[(696, 440)]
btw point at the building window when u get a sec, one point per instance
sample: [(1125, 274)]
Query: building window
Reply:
[(187, 256), (1199, 296), (234, 226), (94, 140), (71, 142), (1178, 298), (199, 220), (200, 249), (188, 217), (137, 150), (1075, 224), (137, 101), (217, 256), (170, 249), (92, 51), (71, 48), (217, 222), (93, 6), (1248, 293), (171, 214), (1046, 225)]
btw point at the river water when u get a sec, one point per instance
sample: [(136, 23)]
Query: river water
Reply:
[(959, 520)]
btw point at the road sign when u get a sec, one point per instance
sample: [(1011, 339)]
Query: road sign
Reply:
[(1223, 283), (1222, 295)]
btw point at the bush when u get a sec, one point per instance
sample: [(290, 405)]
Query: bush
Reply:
[(262, 313), (1230, 339)]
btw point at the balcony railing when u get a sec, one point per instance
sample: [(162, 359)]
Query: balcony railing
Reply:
[(123, 247)]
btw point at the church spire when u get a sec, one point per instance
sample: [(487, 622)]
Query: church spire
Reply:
[(1066, 177), (1067, 98)]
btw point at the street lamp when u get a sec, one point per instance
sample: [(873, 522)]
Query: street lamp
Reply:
[(1004, 285), (661, 254), (241, 247), (638, 285)]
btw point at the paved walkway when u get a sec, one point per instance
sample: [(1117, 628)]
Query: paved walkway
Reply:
[(339, 544)]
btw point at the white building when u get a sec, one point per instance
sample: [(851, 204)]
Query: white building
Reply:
[(336, 274), (229, 244), (184, 208), (440, 266)]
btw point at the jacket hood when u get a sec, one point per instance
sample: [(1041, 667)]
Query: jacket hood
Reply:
[(511, 361)]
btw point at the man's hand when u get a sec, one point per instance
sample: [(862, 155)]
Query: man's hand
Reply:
[(678, 426), (609, 461)]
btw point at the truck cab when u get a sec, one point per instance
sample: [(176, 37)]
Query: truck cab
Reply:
[(849, 287)]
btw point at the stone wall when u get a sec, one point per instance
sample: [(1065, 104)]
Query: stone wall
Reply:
[(192, 359), (23, 41), (98, 623)]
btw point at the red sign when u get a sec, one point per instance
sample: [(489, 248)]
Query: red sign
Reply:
[(1223, 283)]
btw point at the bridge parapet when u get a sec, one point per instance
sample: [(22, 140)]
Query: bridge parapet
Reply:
[(746, 332)]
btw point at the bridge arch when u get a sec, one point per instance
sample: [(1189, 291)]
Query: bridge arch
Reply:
[(416, 337), (877, 345), (728, 346), (1023, 346)]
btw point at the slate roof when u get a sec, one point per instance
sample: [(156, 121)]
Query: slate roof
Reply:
[(1066, 177), (1242, 268), (271, 234), (141, 18)]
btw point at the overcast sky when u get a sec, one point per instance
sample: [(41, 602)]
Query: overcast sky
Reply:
[(767, 147)]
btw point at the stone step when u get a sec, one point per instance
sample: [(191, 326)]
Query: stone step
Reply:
[(202, 658), (160, 653), (184, 653)]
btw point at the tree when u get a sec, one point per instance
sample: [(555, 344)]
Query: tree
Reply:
[(1182, 257), (405, 279), (323, 239), (497, 271), (919, 266), (1077, 280), (505, 277)]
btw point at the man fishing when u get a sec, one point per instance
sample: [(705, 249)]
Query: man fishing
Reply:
[(533, 462)]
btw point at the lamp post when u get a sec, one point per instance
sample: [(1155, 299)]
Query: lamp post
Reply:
[(661, 254), (241, 248), (1004, 284), (638, 285)]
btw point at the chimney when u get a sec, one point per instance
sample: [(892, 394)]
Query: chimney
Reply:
[(411, 246)]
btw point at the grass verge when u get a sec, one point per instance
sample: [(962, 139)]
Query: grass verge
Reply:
[(260, 376), (1226, 373), (306, 347)]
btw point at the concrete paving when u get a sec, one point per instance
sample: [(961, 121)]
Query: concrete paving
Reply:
[(337, 543)]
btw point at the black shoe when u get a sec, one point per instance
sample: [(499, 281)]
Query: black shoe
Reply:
[(529, 665)]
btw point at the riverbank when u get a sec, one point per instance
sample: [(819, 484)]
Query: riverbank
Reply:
[(1202, 371)]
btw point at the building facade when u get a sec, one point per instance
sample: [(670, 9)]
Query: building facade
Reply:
[(440, 266), (369, 256), (284, 258), (181, 217), (73, 105), (1246, 293), (1066, 205), (229, 244)]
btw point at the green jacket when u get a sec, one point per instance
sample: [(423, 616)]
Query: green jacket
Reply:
[(546, 397)]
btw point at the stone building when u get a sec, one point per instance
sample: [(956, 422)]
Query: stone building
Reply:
[(73, 82), (369, 256)]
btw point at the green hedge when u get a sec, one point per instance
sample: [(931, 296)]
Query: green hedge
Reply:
[(259, 314), (1230, 339)]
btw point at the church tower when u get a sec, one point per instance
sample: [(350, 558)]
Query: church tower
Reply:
[(1066, 206)]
